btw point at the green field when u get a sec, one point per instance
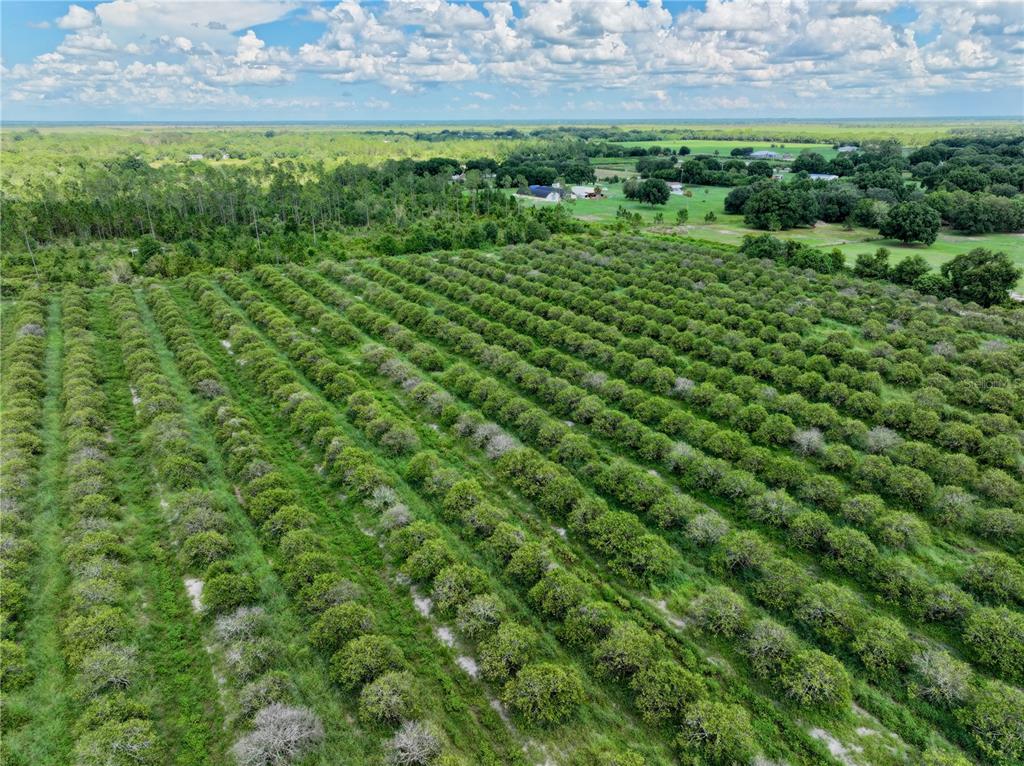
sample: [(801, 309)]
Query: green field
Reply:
[(731, 229)]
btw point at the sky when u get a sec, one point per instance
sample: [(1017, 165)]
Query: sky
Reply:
[(566, 60)]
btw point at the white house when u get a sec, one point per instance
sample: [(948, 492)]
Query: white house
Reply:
[(195, 156), (822, 176), (848, 149), (764, 154)]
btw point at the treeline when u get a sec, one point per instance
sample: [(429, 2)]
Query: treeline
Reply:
[(980, 276), (240, 215), (976, 189)]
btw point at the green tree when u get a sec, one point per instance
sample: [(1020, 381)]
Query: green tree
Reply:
[(911, 222), (981, 276), (909, 270), (653, 191)]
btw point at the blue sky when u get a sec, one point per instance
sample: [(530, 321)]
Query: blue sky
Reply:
[(264, 60)]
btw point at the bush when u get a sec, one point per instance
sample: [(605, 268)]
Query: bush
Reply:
[(995, 719), (995, 576), (544, 694), (228, 591), (664, 690), (203, 548), (340, 624), (813, 678), (14, 669), (627, 649), (415, 744), (281, 735), (455, 585), (940, 678), (996, 636), (273, 687), (769, 647), (119, 743), (508, 650), (883, 645), (389, 699), (479, 616), (718, 732), (719, 611), (363, 659), (424, 564)]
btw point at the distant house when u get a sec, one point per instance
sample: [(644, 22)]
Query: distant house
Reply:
[(674, 187), (458, 178), (822, 176), (764, 154), (195, 156), (848, 149), (225, 156)]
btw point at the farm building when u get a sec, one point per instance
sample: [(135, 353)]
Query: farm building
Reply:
[(848, 149), (822, 176), (549, 193), (675, 187), (587, 192), (764, 154), (195, 156)]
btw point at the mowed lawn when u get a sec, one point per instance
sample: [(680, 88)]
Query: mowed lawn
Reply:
[(731, 229)]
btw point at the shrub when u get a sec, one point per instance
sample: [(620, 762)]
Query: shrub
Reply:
[(508, 650), (769, 646), (203, 548), (84, 633), (557, 592), (587, 622), (415, 744), (133, 742), (814, 678), (424, 564), (664, 690), (228, 591), (719, 611), (995, 576), (281, 735), (544, 694), (718, 732), (14, 669), (883, 645), (455, 585), (706, 529), (479, 616), (627, 649), (389, 699), (340, 624), (528, 563), (273, 687), (995, 718), (363, 659), (996, 636), (941, 678)]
